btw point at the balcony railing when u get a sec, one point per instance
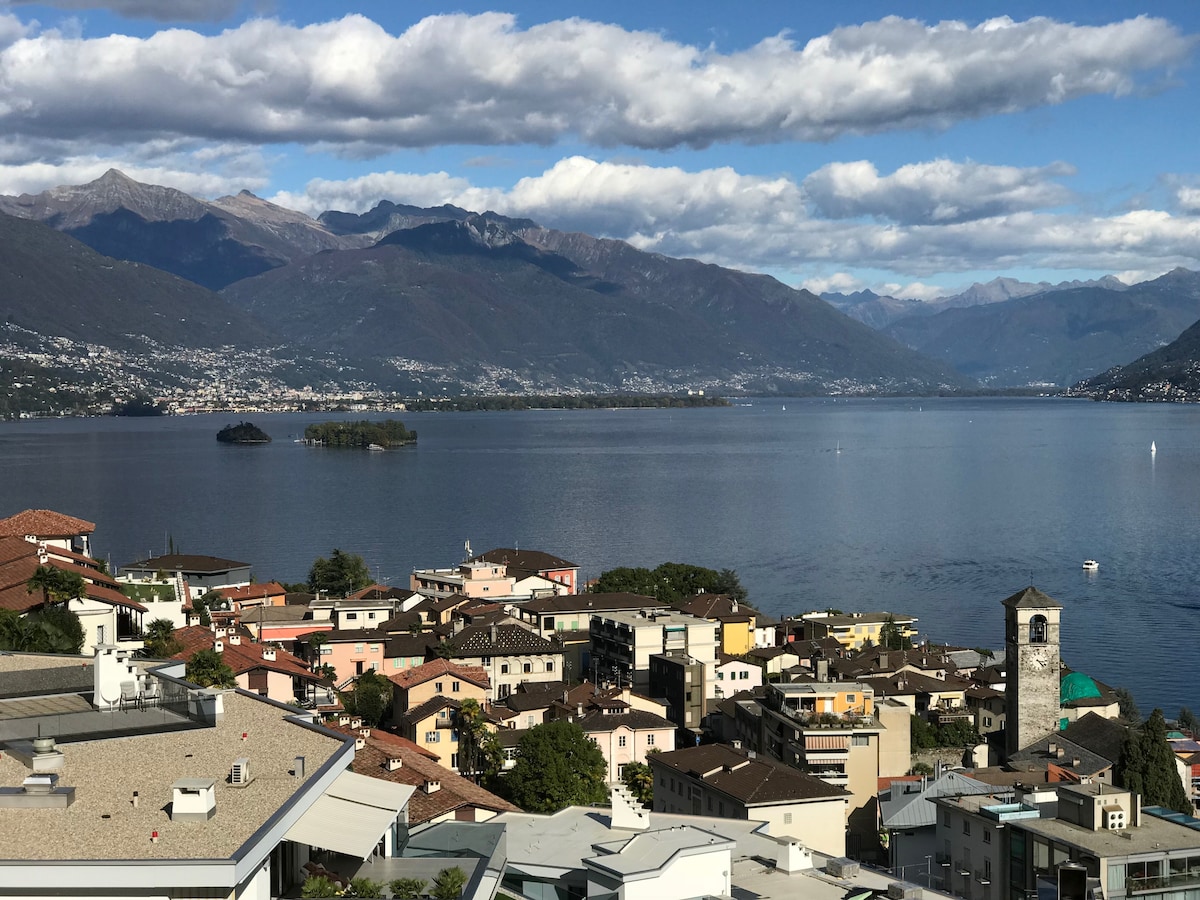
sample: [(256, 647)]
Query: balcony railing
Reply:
[(983, 877), (1149, 883), (942, 859)]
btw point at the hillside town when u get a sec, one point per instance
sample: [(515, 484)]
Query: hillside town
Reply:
[(496, 727)]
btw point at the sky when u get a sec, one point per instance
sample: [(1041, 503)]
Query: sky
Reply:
[(909, 148)]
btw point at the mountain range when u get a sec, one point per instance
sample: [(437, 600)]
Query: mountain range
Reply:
[(449, 300), (444, 299)]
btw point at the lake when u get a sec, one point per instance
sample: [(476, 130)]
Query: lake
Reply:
[(934, 508)]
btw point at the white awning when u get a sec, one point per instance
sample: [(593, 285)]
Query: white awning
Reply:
[(352, 816)]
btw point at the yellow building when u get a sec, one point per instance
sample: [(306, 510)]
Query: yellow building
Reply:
[(854, 630)]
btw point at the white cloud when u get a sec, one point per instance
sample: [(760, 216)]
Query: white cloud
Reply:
[(11, 29), (1188, 199), (941, 191), (161, 10), (915, 290), (209, 171), (837, 283), (482, 80), (751, 222)]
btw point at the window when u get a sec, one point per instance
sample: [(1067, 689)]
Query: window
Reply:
[(860, 740), (548, 622), (710, 802), (358, 648), (437, 686), (350, 617), (621, 740), (485, 660), (454, 760), (650, 740), (503, 668), (1037, 630), (720, 676), (743, 675), (431, 737), (966, 826), (526, 668), (850, 698), (987, 721), (946, 818), (550, 666), (374, 648), (987, 835), (787, 818), (454, 686), (443, 713)]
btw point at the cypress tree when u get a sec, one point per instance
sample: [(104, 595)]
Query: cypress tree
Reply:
[(1162, 784)]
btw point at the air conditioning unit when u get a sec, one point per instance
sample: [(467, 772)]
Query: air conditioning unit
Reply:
[(1114, 819), (903, 890), (239, 775), (842, 867)]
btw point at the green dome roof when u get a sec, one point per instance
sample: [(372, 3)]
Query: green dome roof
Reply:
[(1077, 686)]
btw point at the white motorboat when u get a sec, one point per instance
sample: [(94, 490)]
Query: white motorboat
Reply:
[(1090, 565)]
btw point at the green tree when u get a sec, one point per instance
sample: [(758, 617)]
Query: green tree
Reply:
[(206, 668), (1128, 712), (339, 575), (52, 629), (639, 778), (557, 766), (370, 698), (160, 641), (1187, 721), (922, 735), (1147, 766), (448, 884), (891, 637), (407, 888), (55, 585), (671, 582)]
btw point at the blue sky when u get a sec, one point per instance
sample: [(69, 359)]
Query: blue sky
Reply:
[(904, 147)]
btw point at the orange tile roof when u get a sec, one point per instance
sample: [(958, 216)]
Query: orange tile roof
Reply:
[(44, 523), (253, 591), (438, 668), (241, 657), (455, 791)]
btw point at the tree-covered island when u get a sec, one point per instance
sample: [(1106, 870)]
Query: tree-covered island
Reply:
[(243, 433), (389, 433)]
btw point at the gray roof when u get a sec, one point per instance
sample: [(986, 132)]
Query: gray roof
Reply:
[(912, 809), (1030, 598)]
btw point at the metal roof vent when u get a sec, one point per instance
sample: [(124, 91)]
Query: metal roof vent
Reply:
[(842, 867), (239, 775), (193, 799)]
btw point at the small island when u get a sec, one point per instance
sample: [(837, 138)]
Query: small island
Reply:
[(243, 433), (366, 435)]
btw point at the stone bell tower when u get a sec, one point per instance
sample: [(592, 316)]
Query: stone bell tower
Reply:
[(1031, 659)]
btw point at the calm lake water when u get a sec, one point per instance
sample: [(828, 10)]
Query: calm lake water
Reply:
[(935, 508)]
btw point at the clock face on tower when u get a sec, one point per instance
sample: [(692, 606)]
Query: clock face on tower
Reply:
[(1039, 659)]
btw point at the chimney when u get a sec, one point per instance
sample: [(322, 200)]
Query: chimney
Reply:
[(364, 732), (193, 800), (494, 632), (394, 763), (1061, 752), (219, 646), (298, 767), (356, 722), (1074, 762), (235, 640), (268, 653), (359, 744), (430, 786)]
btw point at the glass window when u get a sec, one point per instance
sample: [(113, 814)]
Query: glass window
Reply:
[(358, 648), (966, 826), (550, 666), (351, 616), (650, 739), (454, 687), (987, 835), (437, 686), (526, 668), (431, 737), (503, 668), (370, 615), (850, 698), (621, 741)]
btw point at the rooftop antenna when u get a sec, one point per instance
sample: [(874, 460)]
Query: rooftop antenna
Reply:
[(467, 548)]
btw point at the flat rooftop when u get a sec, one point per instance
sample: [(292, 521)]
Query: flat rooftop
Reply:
[(1153, 834), (104, 824), (562, 841)]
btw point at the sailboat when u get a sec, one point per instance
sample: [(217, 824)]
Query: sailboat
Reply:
[(839, 447), (1153, 448)]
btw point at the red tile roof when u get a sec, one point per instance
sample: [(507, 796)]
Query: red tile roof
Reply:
[(243, 656), (19, 560), (253, 591), (44, 523), (438, 668), (416, 768)]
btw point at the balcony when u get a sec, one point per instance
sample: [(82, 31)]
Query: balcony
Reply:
[(942, 859), (983, 877), (1151, 883)]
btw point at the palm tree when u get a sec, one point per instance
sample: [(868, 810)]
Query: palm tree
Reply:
[(56, 585), (160, 639), (43, 578)]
